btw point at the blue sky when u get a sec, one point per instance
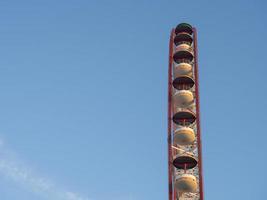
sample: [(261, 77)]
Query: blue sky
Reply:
[(83, 98)]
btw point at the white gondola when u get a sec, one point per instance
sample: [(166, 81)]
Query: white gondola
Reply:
[(184, 136), (183, 52), (183, 98), (184, 47), (182, 69), (186, 183)]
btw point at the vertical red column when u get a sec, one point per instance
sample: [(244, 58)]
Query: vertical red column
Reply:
[(170, 166), (198, 116)]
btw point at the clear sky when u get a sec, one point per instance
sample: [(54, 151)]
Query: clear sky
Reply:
[(83, 107)]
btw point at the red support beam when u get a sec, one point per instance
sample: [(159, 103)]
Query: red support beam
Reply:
[(198, 116), (172, 193)]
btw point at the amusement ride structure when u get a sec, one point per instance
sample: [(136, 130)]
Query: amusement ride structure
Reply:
[(184, 137)]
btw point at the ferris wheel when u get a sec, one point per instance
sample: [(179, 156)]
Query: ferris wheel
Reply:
[(184, 135)]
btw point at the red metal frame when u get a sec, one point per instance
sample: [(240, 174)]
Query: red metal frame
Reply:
[(170, 166), (198, 116)]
